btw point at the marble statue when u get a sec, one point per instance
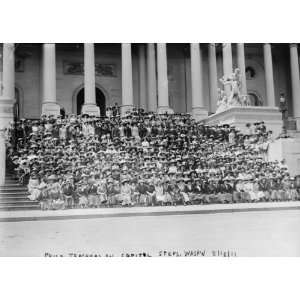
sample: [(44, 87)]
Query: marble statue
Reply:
[(222, 101), (233, 96)]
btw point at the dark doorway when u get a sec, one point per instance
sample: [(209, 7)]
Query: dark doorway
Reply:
[(254, 100), (100, 101)]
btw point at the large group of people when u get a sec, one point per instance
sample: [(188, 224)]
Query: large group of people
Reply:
[(143, 158)]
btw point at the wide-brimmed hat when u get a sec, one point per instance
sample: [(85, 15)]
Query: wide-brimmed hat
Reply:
[(52, 177)]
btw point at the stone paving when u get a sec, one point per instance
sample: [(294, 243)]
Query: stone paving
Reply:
[(252, 233), (31, 215)]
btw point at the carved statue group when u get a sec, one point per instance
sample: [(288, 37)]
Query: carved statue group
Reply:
[(231, 95)]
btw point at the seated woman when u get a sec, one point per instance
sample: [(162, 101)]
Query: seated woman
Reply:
[(274, 189), (176, 194), (82, 190), (256, 193), (264, 188), (112, 191), (160, 193), (68, 192), (228, 189), (55, 195), (169, 188), (238, 190), (102, 192), (33, 187), (44, 197), (125, 196), (196, 193), (92, 193), (141, 190), (185, 189)]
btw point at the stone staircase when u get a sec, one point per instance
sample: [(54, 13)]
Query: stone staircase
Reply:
[(14, 196)]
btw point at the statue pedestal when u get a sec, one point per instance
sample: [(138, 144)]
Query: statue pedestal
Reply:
[(288, 149), (50, 109), (199, 113), (164, 109), (91, 110), (239, 116)]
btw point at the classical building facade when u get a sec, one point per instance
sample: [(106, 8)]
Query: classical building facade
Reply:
[(45, 78)]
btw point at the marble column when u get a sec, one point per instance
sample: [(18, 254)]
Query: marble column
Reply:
[(142, 77), (49, 104), (89, 106), (162, 79), (227, 64), (213, 77), (127, 88), (242, 66), (7, 99), (294, 62), (162, 76), (151, 78), (198, 110), (270, 101)]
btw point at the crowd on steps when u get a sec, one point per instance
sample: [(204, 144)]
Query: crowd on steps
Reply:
[(143, 158)]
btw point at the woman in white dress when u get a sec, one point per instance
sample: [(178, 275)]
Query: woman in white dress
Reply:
[(160, 193), (33, 188), (126, 193)]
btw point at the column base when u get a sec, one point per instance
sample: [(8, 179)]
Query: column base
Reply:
[(199, 113), (125, 109), (164, 109), (50, 109), (6, 112), (91, 110)]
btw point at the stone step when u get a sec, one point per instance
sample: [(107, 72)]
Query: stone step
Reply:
[(18, 203), (4, 194), (13, 190), (16, 197), (10, 180), (19, 207), (12, 184)]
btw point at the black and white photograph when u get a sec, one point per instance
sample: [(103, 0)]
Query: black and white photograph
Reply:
[(97, 161), (149, 149)]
